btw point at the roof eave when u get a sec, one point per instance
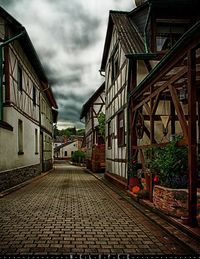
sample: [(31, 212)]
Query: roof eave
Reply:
[(91, 99)]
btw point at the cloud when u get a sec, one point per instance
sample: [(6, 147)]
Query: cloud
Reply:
[(69, 39)]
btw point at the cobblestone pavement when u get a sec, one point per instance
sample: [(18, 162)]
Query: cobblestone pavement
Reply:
[(69, 211)]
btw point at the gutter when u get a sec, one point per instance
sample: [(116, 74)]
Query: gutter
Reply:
[(2, 45)]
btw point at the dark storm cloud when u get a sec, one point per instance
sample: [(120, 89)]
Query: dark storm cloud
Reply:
[(69, 38), (71, 105)]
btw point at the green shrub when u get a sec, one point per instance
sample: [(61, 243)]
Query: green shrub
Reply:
[(78, 156), (170, 163)]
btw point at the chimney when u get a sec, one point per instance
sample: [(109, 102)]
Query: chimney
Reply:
[(139, 2)]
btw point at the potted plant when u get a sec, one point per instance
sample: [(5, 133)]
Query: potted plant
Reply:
[(134, 166), (169, 164)]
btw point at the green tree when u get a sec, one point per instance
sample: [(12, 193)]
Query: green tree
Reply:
[(102, 125), (80, 132)]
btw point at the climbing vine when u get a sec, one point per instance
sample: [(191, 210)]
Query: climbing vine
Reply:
[(102, 124)]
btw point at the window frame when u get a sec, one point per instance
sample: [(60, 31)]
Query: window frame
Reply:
[(19, 78), (115, 65), (34, 95), (20, 137), (120, 129), (109, 135), (36, 142)]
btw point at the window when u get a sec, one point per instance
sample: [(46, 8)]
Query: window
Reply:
[(115, 64), (20, 137), (168, 32), (34, 95), (65, 153), (72, 152), (120, 129), (36, 141), (109, 135), (19, 78)]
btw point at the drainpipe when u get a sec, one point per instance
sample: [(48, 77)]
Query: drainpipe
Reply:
[(2, 45), (145, 29), (128, 141), (128, 124)]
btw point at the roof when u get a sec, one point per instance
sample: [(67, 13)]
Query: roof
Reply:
[(129, 36), (64, 145), (87, 105), (30, 52)]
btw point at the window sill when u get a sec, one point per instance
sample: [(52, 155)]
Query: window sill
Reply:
[(20, 153), (5, 125), (121, 145)]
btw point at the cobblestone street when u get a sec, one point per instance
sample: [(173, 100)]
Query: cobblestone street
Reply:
[(71, 211)]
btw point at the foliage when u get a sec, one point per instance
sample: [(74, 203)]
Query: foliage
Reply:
[(170, 164), (68, 132), (133, 168), (102, 124), (80, 132), (78, 156)]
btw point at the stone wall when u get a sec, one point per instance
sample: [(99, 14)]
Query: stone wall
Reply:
[(47, 165), (171, 201), (16, 176)]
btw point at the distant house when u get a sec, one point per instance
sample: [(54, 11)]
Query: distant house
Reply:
[(66, 150), (90, 111), (59, 140), (27, 107)]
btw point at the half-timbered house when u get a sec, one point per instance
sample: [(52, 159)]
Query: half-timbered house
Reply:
[(95, 148), (122, 38), (151, 65), (26, 101)]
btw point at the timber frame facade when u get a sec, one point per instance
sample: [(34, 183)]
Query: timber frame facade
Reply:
[(151, 61), (27, 107), (93, 140)]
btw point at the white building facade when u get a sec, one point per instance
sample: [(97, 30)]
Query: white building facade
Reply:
[(66, 150), (22, 88)]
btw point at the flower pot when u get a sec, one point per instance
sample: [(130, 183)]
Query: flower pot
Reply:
[(133, 182)]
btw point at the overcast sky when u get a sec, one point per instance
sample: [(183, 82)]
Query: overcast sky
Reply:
[(68, 36)]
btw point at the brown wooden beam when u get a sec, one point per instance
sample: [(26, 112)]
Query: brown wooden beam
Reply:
[(173, 118), (161, 88), (179, 111), (147, 108), (155, 105), (192, 140)]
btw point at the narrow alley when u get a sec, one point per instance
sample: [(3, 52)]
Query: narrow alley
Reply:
[(71, 211)]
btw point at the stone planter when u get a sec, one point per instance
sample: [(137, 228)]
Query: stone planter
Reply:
[(171, 201)]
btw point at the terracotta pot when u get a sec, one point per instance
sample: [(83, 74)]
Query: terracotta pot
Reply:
[(133, 182)]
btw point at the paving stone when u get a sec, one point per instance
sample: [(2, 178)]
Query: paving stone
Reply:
[(71, 211)]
